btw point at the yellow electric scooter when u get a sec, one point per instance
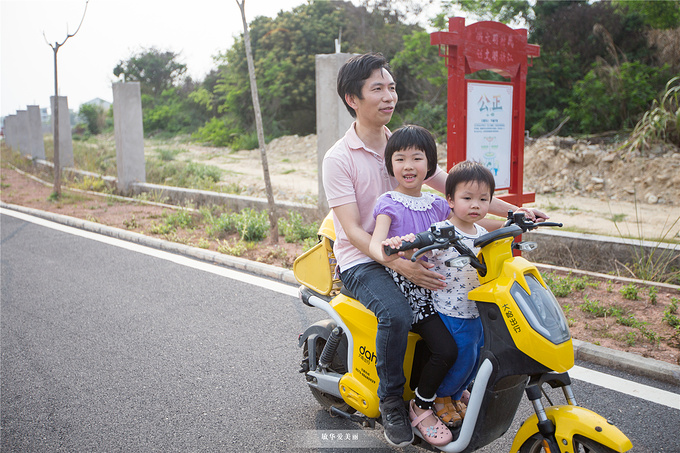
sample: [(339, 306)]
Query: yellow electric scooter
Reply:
[(527, 345)]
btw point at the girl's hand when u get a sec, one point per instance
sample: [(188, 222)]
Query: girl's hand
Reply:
[(394, 243)]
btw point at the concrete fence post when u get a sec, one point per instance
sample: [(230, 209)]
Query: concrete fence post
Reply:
[(22, 132), (65, 137), (332, 118), (36, 143), (10, 127), (129, 132)]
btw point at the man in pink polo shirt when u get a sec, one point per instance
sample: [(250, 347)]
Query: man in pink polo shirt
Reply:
[(354, 175)]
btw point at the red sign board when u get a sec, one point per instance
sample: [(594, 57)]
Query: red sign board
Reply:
[(495, 47)]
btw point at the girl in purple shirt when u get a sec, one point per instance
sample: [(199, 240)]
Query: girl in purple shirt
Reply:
[(411, 157)]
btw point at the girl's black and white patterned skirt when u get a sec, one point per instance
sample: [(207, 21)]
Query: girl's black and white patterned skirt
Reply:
[(418, 297)]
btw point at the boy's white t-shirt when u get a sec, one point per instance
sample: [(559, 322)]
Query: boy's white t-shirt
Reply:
[(452, 300)]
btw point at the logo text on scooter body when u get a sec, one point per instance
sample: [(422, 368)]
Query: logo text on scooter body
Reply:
[(367, 355)]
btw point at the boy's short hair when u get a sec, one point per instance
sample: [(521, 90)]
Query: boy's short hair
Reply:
[(469, 171), (411, 136), (353, 74)]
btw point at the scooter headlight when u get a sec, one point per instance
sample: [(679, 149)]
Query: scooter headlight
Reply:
[(541, 310)]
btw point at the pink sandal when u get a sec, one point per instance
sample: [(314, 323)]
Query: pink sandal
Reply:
[(437, 434)]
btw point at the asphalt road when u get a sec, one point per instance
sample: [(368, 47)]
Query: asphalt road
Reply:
[(127, 349)]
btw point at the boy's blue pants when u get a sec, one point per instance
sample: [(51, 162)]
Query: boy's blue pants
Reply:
[(469, 338)]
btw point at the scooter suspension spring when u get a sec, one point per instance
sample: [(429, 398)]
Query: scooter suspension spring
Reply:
[(329, 349)]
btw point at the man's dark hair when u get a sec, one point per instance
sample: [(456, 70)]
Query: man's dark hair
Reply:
[(353, 74), (469, 171), (411, 136)]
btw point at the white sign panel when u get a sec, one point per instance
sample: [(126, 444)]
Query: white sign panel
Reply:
[(489, 128)]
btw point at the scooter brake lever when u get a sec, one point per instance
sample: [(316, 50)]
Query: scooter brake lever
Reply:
[(436, 245)]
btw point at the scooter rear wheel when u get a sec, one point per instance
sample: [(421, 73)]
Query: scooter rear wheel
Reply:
[(338, 365), (581, 445)]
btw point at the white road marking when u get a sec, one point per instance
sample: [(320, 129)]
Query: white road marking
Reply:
[(178, 259), (645, 392), (631, 388)]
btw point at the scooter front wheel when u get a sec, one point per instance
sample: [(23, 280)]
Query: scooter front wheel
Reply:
[(534, 444)]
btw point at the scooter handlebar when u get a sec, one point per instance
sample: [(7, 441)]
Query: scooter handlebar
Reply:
[(422, 240)]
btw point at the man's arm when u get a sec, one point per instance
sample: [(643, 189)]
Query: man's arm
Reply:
[(497, 207), (349, 218), (418, 272)]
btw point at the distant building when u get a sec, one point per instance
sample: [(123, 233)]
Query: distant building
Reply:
[(98, 102)]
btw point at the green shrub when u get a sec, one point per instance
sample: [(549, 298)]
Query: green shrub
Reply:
[(245, 141), (596, 309), (630, 292), (216, 132), (190, 175), (563, 286), (669, 314), (661, 123), (251, 225), (294, 229), (614, 97), (167, 154)]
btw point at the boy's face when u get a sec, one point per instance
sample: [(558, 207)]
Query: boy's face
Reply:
[(378, 99), (470, 202)]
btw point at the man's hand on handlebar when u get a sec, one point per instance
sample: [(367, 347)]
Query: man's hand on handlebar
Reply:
[(419, 273), (534, 214)]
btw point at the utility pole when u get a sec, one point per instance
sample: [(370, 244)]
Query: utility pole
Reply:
[(55, 111), (274, 232)]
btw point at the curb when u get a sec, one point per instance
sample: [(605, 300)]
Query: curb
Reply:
[(620, 360)]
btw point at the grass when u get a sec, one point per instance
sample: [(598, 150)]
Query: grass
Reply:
[(661, 123), (168, 154), (658, 264), (618, 218), (640, 330), (564, 286)]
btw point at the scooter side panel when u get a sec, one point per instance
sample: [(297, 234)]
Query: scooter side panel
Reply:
[(362, 385)]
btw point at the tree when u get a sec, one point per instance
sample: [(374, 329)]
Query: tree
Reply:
[(94, 117), (274, 231), (55, 113), (284, 50), (505, 11), (156, 70), (657, 14)]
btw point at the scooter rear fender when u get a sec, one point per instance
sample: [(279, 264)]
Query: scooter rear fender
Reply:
[(571, 421)]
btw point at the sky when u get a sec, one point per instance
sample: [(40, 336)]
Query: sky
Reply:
[(113, 30)]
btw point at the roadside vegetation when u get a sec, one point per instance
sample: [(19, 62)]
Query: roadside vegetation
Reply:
[(628, 313)]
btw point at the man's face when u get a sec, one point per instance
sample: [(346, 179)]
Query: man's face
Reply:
[(378, 99)]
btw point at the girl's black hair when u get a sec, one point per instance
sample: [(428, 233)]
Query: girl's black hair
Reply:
[(353, 74), (411, 136), (469, 171)]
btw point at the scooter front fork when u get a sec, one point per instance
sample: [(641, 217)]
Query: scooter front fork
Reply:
[(546, 427)]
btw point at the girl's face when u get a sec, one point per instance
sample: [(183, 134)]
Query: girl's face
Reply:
[(470, 204), (410, 168)]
